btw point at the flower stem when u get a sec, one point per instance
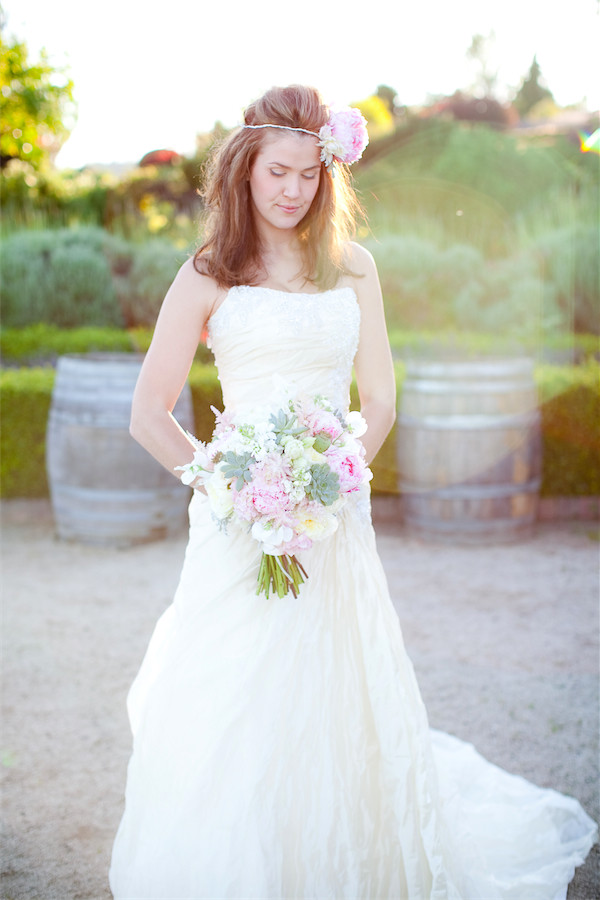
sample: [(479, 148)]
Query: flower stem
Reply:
[(281, 574)]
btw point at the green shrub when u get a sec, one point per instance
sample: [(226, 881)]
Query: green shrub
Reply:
[(497, 165), (61, 276), (143, 288), (44, 343), (560, 348), (75, 277), (206, 392), (51, 198), (25, 396), (442, 212), (570, 256), (570, 411), (40, 344), (430, 287)]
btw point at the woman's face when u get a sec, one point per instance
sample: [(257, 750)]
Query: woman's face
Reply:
[(284, 179)]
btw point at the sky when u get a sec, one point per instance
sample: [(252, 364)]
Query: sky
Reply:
[(151, 75)]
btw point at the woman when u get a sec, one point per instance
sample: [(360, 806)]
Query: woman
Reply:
[(281, 748)]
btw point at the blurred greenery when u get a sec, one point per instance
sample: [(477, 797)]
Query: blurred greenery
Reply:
[(451, 254), (570, 408), (41, 344), (36, 104), (84, 275)]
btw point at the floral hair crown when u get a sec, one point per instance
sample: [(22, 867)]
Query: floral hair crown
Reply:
[(343, 138)]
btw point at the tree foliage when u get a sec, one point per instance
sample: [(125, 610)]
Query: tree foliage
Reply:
[(36, 103), (532, 91), (377, 114), (389, 97)]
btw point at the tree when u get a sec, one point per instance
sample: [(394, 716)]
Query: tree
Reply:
[(389, 97), (477, 109), (531, 91), (377, 114), (486, 79), (36, 103)]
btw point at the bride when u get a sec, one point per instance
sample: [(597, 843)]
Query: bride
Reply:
[(280, 745)]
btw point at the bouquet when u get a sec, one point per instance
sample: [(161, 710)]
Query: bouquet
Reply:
[(284, 476)]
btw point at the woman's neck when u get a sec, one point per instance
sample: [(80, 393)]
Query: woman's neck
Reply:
[(282, 263)]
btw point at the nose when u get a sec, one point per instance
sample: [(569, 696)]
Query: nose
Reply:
[(291, 187)]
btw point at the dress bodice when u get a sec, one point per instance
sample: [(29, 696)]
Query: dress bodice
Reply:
[(309, 340)]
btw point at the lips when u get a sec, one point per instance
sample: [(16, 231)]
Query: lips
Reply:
[(288, 209)]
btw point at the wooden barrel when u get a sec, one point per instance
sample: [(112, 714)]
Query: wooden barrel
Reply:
[(106, 489), (469, 450)]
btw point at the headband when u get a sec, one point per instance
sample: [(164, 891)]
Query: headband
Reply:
[(342, 139)]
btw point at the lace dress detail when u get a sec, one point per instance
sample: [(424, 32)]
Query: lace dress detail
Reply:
[(309, 338)]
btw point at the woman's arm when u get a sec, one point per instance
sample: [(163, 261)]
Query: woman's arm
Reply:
[(373, 362), (183, 315)]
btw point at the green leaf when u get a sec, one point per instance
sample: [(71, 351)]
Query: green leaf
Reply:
[(238, 466)]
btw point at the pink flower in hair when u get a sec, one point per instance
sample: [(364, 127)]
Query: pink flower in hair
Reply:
[(344, 137)]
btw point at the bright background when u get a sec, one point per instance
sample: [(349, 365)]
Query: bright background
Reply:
[(154, 75)]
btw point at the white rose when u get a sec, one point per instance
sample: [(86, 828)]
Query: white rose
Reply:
[(219, 494)]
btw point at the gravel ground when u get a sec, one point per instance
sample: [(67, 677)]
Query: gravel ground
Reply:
[(504, 639)]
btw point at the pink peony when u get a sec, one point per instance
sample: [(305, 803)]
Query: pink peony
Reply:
[(266, 494), (321, 420), (349, 128), (349, 468), (344, 137)]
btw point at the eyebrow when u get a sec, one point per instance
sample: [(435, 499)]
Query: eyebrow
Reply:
[(282, 166)]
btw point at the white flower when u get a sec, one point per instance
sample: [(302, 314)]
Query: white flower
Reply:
[(356, 424), (219, 494), (297, 493), (293, 448), (198, 467), (317, 527), (271, 537), (330, 146)]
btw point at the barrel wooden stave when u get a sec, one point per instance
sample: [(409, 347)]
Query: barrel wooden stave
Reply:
[(105, 488), (469, 450)]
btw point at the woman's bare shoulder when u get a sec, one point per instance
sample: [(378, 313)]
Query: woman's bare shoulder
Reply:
[(362, 275), (358, 259), (191, 284)]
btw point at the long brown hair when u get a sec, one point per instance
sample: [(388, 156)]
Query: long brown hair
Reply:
[(231, 252)]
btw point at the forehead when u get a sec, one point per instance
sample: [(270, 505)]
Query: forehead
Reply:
[(289, 148)]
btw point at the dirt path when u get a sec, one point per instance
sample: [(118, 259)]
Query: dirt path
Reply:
[(504, 640)]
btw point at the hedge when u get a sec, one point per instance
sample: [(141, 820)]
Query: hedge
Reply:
[(570, 412), (42, 343), (25, 396)]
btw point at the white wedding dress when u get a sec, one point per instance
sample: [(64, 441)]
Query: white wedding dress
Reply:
[(281, 747)]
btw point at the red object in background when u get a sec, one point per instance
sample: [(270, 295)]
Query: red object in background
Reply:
[(160, 158)]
